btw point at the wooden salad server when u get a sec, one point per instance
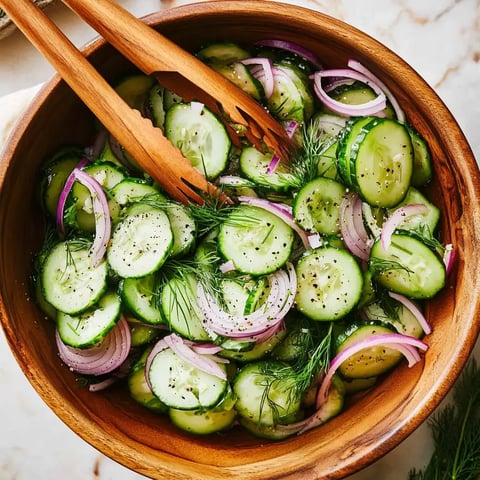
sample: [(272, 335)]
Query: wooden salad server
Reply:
[(181, 72), (146, 143)]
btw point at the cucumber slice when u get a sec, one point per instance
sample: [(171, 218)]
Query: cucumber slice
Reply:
[(222, 52), (317, 206), (70, 282), (369, 362), (156, 105), (134, 89), (399, 317), (422, 159), (254, 165), (141, 242), (180, 307), (257, 241), (240, 75), (140, 390), (330, 283), (346, 142), (132, 189), (200, 135), (178, 384), (89, 328), (427, 220), (408, 267), (54, 175), (265, 393), (382, 162), (183, 228), (141, 298)]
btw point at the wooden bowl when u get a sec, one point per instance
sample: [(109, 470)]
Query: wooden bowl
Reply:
[(147, 443)]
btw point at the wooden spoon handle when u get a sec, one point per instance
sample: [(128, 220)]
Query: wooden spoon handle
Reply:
[(147, 144)]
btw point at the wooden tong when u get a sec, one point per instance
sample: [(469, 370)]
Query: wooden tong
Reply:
[(152, 53)]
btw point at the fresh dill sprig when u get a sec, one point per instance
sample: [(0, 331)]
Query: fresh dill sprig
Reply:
[(305, 161), (214, 212), (425, 235), (380, 265), (456, 433), (314, 349)]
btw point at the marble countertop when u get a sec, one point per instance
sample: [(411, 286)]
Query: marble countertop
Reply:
[(439, 38)]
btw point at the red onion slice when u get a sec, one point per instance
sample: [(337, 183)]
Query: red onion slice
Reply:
[(371, 107), (101, 213), (396, 218), (392, 340), (293, 48), (283, 287), (265, 75), (354, 233), (62, 199), (282, 211), (200, 361), (102, 358), (391, 98), (417, 313), (449, 257)]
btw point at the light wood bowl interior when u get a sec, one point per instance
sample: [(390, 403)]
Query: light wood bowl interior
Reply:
[(145, 442)]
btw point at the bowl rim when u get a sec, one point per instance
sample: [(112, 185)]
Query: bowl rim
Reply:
[(387, 440)]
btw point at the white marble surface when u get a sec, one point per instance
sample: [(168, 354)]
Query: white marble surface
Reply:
[(439, 38)]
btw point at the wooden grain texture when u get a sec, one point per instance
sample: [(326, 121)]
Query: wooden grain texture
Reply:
[(147, 144), (137, 438), (180, 71)]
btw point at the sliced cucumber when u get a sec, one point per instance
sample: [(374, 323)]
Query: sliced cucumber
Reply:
[(266, 393), (240, 75), (134, 89), (317, 206), (70, 281), (132, 189), (346, 142), (156, 105), (54, 175), (200, 135), (90, 327), (371, 361), (400, 317), (254, 165), (141, 297), (179, 384), (330, 283), (422, 159), (222, 52), (382, 162), (428, 220), (141, 242), (408, 267), (183, 228), (139, 389), (257, 241), (180, 307)]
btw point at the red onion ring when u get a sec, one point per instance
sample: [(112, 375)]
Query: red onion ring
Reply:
[(373, 78), (449, 257), (102, 358), (371, 107), (200, 361), (264, 75), (291, 47), (283, 287), (417, 313), (396, 218), (392, 340), (353, 231)]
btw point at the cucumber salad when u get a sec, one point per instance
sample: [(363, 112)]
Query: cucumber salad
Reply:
[(266, 312)]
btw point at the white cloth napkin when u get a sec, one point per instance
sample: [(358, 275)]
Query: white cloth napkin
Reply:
[(12, 107)]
